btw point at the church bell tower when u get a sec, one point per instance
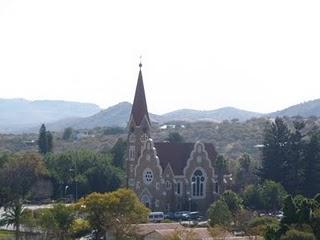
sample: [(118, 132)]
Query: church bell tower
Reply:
[(139, 129)]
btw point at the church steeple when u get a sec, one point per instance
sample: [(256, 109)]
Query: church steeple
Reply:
[(139, 107)]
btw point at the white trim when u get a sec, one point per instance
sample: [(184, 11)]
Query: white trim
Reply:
[(191, 157), (154, 152)]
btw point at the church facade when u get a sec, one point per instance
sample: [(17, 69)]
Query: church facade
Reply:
[(168, 176)]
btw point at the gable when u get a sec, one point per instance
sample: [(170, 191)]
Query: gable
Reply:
[(177, 154)]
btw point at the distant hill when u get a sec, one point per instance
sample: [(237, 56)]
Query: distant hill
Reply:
[(226, 113), (306, 109), (115, 116), (118, 116), (19, 114)]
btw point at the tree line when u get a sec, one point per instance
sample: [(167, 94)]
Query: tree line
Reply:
[(291, 156)]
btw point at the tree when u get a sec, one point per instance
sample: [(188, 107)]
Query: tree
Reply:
[(17, 177), (315, 223), (274, 152), (67, 133), (294, 165), (119, 153), (252, 197), (245, 173), (233, 201), (57, 221), (312, 166), (221, 167), (49, 142), (82, 172), (289, 211), (272, 195), (12, 216), (115, 212), (219, 213), (266, 196), (175, 137), (45, 140)]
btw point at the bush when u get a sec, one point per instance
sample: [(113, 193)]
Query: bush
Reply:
[(297, 235), (79, 228), (259, 225), (219, 214), (233, 201), (219, 231)]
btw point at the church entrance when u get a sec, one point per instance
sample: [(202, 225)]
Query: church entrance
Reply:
[(146, 201)]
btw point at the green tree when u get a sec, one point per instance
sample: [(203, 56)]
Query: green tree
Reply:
[(57, 221), (315, 223), (273, 195), (119, 153), (293, 234), (294, 166), (45, 140), (49, 142), (311, 183), (219, 213), (221, 167), (266, 196), (67, 133), (252, 197), (289, 211), (82, 172), (233, 201), (275, 151), (17, 176), (115, 212), (245, 173), (12, 216), (175, 137)]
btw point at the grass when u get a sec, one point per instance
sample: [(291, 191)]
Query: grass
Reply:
[(4, 233)]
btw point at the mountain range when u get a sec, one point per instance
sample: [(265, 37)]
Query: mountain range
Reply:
[(19, 115)]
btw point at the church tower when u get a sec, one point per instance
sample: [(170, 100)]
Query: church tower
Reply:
[(139, 129)]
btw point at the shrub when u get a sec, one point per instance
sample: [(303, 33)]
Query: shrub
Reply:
[(297, 235), (79, 228), (259, 225), (219, 214)]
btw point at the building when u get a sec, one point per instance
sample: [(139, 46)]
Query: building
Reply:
[(168, 176)]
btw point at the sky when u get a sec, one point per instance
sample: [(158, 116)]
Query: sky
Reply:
[(255, 55)]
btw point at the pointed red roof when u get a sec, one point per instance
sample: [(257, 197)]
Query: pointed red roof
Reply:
[(139, 107)]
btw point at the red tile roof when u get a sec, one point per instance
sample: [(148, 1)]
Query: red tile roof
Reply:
[(139, 107), (177, 154)]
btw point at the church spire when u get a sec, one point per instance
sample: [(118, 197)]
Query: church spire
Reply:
[(139, 107)]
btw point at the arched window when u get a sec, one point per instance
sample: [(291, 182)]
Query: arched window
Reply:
[(132, 153), (146, 201), (198, 184)]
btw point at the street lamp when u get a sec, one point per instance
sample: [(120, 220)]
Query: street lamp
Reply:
[(65, 190)]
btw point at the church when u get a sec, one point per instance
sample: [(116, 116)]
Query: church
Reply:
[(168, 176)]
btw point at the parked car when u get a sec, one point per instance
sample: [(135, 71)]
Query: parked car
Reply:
[(182, 215), (156, 217), (195, 216), (169, 215)]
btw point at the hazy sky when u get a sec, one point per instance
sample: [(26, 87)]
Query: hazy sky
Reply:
[(255, 55)]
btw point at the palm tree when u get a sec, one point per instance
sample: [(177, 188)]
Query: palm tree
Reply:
[(12, 216)]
